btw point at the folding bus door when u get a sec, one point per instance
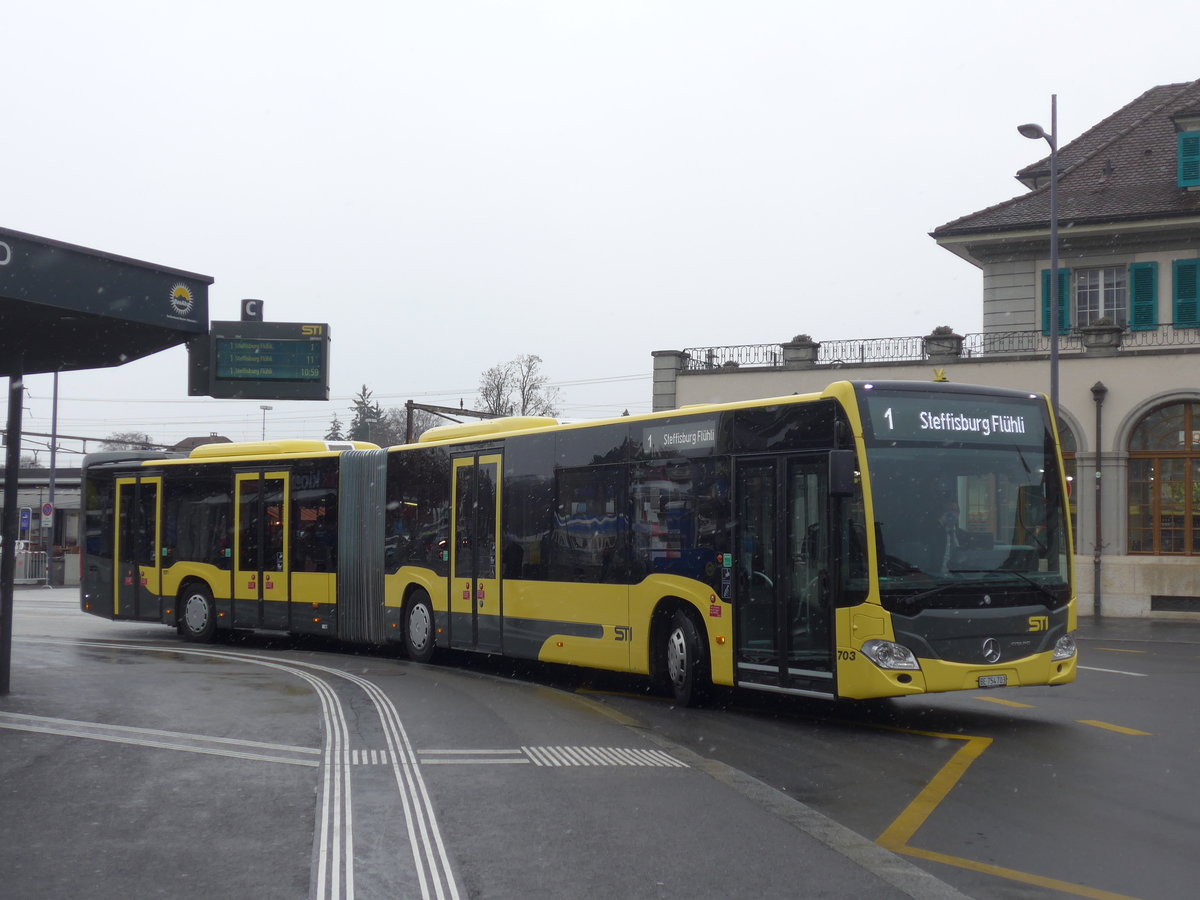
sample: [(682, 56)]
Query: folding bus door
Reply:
[(475, 553), (138, 557), (783, 606), (260, 552)]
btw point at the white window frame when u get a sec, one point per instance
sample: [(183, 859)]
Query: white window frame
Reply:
[(1100, 292)]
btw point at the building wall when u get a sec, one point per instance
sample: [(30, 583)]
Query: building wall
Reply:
[(1009, 297)]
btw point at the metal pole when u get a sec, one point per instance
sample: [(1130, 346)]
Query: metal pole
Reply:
[(1054, 285), (8, 554), (1098, 392), (53, 467)]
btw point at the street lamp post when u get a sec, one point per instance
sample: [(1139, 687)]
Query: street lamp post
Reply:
[(265, 410), (1098, 393), (1034, 132)]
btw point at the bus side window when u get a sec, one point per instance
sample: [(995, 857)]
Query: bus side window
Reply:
[(312, 541)]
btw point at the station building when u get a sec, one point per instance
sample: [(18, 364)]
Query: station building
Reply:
[(1128, 344)]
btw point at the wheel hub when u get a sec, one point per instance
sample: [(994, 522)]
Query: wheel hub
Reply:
[(419, 626), (677, 660), (195, 613)]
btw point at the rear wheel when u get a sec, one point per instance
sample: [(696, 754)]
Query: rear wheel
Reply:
[(687, 666), (418, 628), (197, 614)]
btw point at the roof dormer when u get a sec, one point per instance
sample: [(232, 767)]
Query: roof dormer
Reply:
[(1187, 158)]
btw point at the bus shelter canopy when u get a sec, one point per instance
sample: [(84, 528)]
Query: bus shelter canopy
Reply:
[(64, 307)]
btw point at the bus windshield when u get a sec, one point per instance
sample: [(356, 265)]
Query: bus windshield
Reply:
[(975, 520)]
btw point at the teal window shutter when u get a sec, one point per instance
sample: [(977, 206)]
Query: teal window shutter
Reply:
[(1187, 293), (1064, 286), (1188, 159), (1143, 296)]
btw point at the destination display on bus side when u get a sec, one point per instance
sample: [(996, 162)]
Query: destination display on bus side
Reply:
[(948, 418)]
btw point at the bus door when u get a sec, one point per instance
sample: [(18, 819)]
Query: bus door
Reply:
[(138, 554), (260, 551), (475, 553), (783, 607)]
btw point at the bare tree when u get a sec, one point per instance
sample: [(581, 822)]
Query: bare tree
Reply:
[(518, 388), (423, 420), (533, 396), (495, 390), (128, 440), (389, 430)]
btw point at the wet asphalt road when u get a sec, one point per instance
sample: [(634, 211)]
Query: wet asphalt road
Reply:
[(132, 764)]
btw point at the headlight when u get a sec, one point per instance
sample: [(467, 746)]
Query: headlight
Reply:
[(1064, 648), (889, 655)]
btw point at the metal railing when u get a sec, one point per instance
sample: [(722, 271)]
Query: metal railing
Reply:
[(864, 351), (31, 567)]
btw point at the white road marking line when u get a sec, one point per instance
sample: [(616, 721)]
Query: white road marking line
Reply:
[(157, 732), (335, 865), (1114, 671), (63, 731), (598, 756)]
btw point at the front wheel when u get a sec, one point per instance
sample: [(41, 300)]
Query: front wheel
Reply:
[(687, 661), (418, 628), (197, 615)]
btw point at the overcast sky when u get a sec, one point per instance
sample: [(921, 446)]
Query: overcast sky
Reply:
[(450, 184)]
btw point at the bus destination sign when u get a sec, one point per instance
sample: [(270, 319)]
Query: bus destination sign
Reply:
[(917, 417), (256, 360)]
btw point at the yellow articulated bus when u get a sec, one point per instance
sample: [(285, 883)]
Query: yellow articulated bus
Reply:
[(871, 540)]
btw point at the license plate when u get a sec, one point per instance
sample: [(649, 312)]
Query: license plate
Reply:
[(993, 680)]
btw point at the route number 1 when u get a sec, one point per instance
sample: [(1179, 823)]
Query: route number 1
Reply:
[(887, 414)]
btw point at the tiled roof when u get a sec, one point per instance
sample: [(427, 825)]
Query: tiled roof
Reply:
[(191, 443), (1122, 168)]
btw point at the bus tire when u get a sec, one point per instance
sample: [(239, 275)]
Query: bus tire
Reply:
[(419, 633), (197, 614), (687, 665)]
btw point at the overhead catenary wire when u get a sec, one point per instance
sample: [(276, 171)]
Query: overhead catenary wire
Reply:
[(193, 416)]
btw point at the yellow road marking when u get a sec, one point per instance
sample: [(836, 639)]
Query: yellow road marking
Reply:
[(1065, 887), (1120, 729), (900, 832), (1119, 650), (906, 824), (1002, 702)]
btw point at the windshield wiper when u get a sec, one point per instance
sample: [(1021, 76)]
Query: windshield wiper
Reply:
[(913, 598), (1036, 585)]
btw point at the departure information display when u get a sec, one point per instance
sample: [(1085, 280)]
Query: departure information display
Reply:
[(255, 360), (268, 360)]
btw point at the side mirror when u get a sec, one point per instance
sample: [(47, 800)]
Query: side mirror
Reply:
[(841, 473)]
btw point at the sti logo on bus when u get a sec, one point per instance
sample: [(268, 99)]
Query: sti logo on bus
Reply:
[(311, 330), (1039, 623)]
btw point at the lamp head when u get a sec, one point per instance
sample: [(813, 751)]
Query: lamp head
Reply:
[(1031, 131)]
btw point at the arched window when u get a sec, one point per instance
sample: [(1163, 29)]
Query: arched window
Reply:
[(1164, 481)]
